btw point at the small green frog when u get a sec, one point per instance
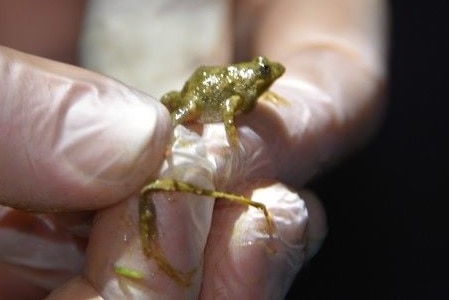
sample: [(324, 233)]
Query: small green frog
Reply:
[(218, 94), (212, 94)]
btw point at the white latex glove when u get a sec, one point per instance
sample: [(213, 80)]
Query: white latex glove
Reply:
[(71, 140), (334, 57), (334, 53)]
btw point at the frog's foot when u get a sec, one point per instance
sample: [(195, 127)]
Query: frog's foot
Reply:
[(274, 98)]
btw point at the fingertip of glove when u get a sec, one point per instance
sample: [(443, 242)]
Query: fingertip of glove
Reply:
[(124, 140), (109, 143), (76, 139)]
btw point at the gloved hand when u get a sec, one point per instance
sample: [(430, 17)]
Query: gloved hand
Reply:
[(71, 140), (331, 89)]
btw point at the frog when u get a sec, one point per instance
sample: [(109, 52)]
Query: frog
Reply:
[(212, 94), (215, 94)]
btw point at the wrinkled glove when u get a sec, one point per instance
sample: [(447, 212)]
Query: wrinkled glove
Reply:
[(332, 89), (71, 140)]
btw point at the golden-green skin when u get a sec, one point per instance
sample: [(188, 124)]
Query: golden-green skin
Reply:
[(218, 94), (212, 94)]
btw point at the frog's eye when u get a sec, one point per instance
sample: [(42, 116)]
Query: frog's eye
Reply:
[(264, 66), (265, 70)]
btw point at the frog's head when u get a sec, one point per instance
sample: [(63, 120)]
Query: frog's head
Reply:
[(267, 72)]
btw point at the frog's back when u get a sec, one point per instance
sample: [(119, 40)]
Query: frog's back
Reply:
[(209, 87)]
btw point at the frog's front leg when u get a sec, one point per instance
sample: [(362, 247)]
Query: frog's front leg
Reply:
[(231, 106)]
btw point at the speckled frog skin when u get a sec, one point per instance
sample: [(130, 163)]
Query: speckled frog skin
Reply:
[(212, 94), (219, 93)]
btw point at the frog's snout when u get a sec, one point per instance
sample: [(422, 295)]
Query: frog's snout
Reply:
[(279, 70)]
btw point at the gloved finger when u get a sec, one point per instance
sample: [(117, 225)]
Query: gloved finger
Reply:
[(115, 244), (183, 220), (242, 259), (334, 53), (77, 288), (38, 249), (73, 139), (13, 286), (317, 227)]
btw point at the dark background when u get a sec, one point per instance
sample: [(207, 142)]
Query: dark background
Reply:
[(386, 204)]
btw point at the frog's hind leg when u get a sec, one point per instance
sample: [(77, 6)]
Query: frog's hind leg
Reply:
[(149, 238), (179, 186), (186, 112), (246, 201), (148, 225)]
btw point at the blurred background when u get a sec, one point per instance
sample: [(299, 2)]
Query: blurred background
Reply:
[(386, 205)]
